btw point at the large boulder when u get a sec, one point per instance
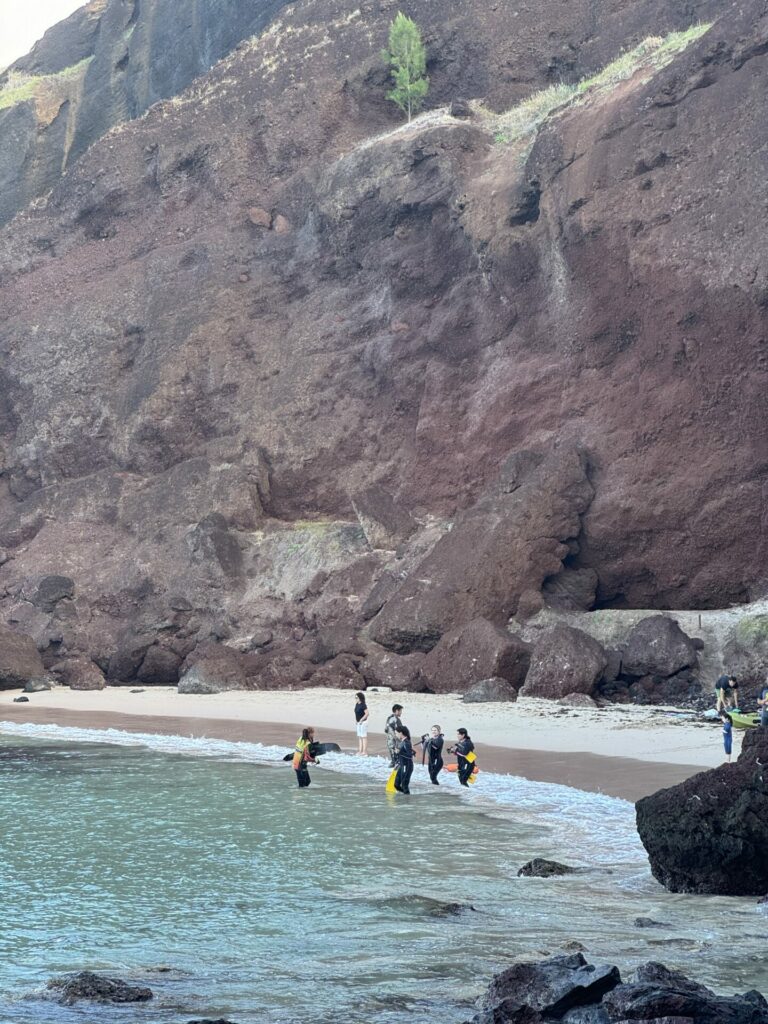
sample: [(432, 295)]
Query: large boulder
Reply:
[(331, 641), (552, 987), (657, 646), (20, 660), (508, 542), (384, 523), (50, 590), (280, 669), (213, 668), (479, 650), (657, 993), (160, 666), (710, 833), (745, 653), (539, 867), (491, 690), (395, 671), (341, 673), (79, 673), (564, 661)]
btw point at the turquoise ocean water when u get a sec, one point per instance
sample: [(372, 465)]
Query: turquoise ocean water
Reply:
[(198, 868)]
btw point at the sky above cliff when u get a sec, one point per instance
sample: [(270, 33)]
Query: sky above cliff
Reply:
[(21, 25)]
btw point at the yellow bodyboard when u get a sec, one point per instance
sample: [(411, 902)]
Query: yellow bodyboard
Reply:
[(391, 782), (471, 757)]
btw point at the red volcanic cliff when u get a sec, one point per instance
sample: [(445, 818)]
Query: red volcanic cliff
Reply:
[(236, 314)]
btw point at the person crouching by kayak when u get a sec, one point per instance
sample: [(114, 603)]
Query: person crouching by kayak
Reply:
[(302, 756), (462, 749), (432, 746), (404, 760), (390, 729)]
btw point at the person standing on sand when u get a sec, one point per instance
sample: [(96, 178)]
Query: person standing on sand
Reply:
[(390, 729), (361, 719), (302, 756), (762, 703), (432, 746), (727, 733), (404, 760), (462, 749), (727, 693)]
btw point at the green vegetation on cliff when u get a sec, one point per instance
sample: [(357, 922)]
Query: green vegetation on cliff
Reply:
[(19, 87), (653, 54), (407, 59)]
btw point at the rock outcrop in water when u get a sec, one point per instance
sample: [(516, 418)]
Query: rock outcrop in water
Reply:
[(710, 833), (567, 988), (219, 349), (97, 988)]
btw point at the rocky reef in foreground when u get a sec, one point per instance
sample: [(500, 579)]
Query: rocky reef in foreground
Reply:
[(568, 989)]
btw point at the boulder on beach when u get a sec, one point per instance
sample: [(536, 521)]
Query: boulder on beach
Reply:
[(37, 686), (212, 668), (471, 653), (20, 660), (551, 987), (710, 833), (97, 989), (564, 661), (491, 690), (539, 867), (657, 646), (394, 671), (79, 673)]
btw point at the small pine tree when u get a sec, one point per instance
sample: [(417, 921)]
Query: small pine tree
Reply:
[(407, 58)]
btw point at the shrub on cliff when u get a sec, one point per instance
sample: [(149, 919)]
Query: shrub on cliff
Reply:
[(407, 58)]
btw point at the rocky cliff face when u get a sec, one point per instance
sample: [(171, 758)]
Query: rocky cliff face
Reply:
[(212, 342)]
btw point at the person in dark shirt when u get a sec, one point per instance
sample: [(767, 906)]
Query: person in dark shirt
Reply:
[(361, 723), (432, 746), (462, 749), (302, 756), (404, 760), (727, 693), (727, 733)]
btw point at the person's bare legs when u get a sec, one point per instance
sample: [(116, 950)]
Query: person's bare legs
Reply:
[(364, 746)]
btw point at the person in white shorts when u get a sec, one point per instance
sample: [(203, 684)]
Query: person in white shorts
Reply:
[(361, 718)]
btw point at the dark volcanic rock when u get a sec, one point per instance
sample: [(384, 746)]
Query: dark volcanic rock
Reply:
[(710, 833), (21, 700), (551, 986), (541, 868), (160, 665), (571, 589), (491, 690), (648, 922), (340, 673), (52, 589), (657, 992), (477, 651), (385, 523), (97, 989), (508, 542), (657, 646), (19, 660), (334, 640), (212, 668), (37, 686), (564, 661)]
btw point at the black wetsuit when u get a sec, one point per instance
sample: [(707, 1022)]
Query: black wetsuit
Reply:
[(465, 767), (434, 747), (404, 767)]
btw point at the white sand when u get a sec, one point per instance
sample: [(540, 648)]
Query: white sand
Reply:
[(653, 735)]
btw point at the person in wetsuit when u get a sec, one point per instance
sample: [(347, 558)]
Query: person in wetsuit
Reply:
[(404, 760), (463, 747), (432, 746), (302, 756), (390, 729)]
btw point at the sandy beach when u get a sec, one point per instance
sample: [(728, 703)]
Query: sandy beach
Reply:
[(624, 751)]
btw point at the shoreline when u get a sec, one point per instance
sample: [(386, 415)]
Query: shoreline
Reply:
[(625, 752)]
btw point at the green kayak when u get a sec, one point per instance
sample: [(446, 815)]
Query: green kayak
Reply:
[(744, 721)]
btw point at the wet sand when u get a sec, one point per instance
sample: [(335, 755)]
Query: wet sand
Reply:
[(627, 777)]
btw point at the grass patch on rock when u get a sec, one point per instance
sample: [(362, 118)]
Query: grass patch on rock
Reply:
[(20, 87)]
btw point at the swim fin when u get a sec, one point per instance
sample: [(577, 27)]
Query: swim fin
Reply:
[(391, 782)]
